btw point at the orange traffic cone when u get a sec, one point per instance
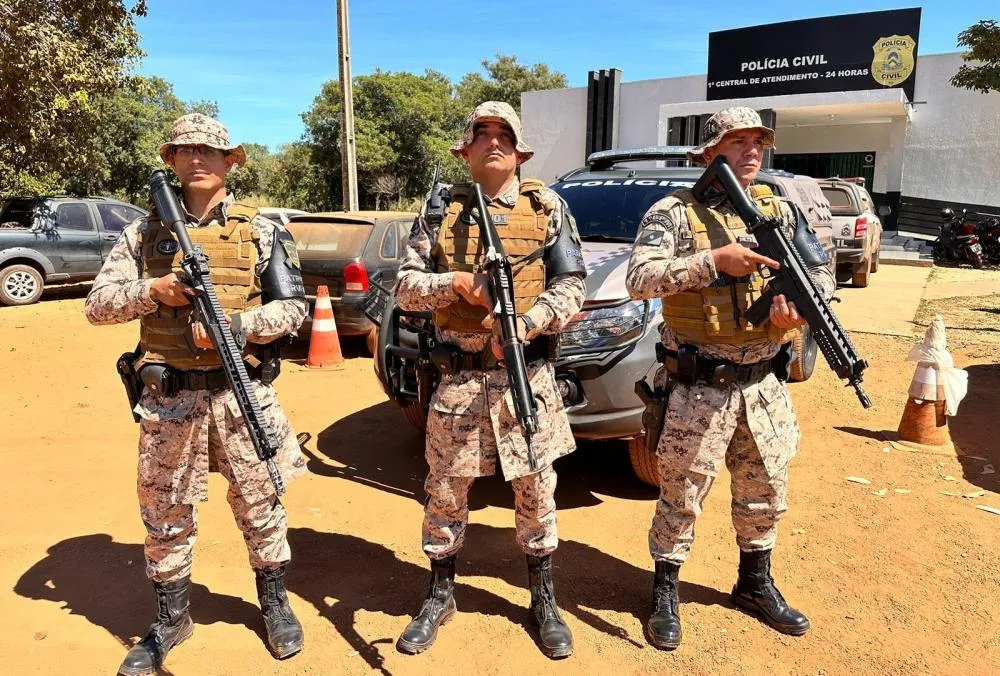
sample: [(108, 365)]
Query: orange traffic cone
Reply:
[(324, 345), (924, 424)]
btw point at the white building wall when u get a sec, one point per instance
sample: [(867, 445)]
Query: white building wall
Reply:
[(953, 143), (639, 118), (883, 138), (555, 126)]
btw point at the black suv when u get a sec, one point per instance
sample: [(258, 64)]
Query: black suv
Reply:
[(56, 239)]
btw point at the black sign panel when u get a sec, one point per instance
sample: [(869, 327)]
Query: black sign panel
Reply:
[(875, 50)]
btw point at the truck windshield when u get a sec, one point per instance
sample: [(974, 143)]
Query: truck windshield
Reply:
[(610, 210)]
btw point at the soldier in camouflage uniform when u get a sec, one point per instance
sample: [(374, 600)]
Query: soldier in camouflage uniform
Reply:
[(725, 401), (254, 267), (471, 425)]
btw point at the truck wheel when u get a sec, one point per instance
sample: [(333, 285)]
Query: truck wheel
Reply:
[(371, 340), (20, 285), (806, 349), (416, 415), (862, 275), (643, 462)]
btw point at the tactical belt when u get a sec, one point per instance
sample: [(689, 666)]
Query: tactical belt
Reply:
[(690, 367), (452, 360), (165, 380), (216, 380)]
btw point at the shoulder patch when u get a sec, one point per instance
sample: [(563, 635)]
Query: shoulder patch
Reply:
[(167, 247), (659, 220), (292, 253), (650, 238)]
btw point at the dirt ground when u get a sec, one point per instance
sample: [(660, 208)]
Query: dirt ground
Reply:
[(899, 576)]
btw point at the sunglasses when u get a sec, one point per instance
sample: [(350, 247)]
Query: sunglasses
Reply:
[(187, 152)]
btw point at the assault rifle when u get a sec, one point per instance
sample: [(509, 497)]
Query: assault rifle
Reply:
[(791, 280), (209, 312), (501, 285)]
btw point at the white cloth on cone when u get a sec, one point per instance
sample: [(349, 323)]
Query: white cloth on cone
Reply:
[(936, 377)]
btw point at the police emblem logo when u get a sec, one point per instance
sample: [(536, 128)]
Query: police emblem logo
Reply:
[(167, 247), (292, 253), (894, 60)]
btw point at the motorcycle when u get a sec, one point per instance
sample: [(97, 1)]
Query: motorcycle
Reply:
[(958, 241), (989, 238)]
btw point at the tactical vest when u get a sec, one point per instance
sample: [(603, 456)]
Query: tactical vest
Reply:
[(165, 335), (717, 313), (523, 230)]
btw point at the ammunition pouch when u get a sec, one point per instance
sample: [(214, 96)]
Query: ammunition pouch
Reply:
[(130, 378), (689, 367)]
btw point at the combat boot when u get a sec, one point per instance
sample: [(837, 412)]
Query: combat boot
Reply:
[(755, 592), (555, 637), (173, 625), (664, 626), (284, 633), (438, 609)]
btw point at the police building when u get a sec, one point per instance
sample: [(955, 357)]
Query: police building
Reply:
[(848, 96)]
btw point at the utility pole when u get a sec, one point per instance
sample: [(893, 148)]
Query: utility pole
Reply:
[(349, 165)]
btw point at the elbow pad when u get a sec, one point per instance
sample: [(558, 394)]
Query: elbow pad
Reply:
[(565, 256), (282, 278)]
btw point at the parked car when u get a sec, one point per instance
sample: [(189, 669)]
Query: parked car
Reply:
[(347, 251), (857, 229), (56, 239), (610, 343), (280, 215)]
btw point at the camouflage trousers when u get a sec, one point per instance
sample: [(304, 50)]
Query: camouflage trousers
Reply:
[(172, 528), (446, 513), (758, 500)]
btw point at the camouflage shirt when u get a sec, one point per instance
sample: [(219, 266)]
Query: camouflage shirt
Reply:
[(120, 294), (471, 427), (420, 288), (664, 262)]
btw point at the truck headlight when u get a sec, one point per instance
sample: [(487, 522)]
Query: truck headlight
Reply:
[(604, 327)]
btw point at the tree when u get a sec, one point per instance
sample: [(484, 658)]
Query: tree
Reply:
[(123, 146), (983, 41), (507, 80), (251, 178), (403, 124), (296, 182), (58, 56)]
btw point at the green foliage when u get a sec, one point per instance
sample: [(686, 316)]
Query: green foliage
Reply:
[(249, 179), (296, 182), (58, 57), (983, 41), (406, 123), (507, 80)]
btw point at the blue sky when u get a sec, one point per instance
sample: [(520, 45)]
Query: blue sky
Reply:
[(264, 62)]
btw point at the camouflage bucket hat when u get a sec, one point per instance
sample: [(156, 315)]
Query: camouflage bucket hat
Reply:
[(196, 129), (496, 111), (725, 121)]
